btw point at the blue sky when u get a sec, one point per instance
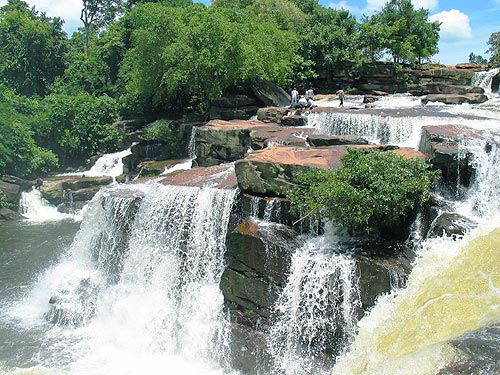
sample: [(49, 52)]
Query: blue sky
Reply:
[(466, 24)]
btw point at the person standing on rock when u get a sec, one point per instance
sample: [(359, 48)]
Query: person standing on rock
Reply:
[(295, 97), (341, 95)]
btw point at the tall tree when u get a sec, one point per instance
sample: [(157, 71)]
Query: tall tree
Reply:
[(494, 49), (32, 48), (98, 13), (411, 37)]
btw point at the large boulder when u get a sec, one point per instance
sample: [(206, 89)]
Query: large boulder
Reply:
[(222, 141), (60, 189), (334, 140), (472, 98), (441, 144), (451, 224), (270, 94), (272, 171), (258, 257), (7, 214), (272, 114)]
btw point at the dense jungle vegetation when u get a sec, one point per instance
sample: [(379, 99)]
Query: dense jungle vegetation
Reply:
[(59, 95)]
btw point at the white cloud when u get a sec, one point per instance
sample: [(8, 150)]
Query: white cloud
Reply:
[(455, 25), (376, 5)]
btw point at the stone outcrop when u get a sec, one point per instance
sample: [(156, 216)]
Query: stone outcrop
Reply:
[(218, 176), (271, 171), (13, 186), (334, 140), (441, 145), (234, 106), (471, 98), (451, 224), (223, 141), (7, 214), (270, 93), (71, 189), (258, 259), (272, 114), (275, 135)]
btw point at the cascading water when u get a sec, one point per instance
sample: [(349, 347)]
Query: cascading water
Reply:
[(375, 127), (453, 290), (140, 285), (316, 313), (35, 208), (483, 79)]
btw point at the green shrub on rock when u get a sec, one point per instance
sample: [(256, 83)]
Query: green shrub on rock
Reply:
[(372, 191)]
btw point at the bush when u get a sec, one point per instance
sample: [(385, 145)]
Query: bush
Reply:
[(4, 201), (372, 191)]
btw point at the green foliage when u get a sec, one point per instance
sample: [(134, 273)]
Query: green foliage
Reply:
[(19, 153), (32, 48), (494, 49), (477, 59), (182, 57), (4, 201), (402, 31), (372, 191)]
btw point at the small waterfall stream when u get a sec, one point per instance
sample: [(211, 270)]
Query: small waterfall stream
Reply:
[(483, 79)]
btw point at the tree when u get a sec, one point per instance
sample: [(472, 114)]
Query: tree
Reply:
[(32, 48), (411, 38), (186, 56), (477, 59), (372, 191), (96, 14), (494, 49)]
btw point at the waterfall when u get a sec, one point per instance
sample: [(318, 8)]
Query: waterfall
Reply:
[(35, 208), (316, 313), (453, 289), (483, 79), (482, 199), (140, 283), (376, 128), (192, 144)]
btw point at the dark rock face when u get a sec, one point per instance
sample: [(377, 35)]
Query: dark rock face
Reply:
[(258, 263), (272, 114), (472, 98), (270, 94), (235, 106), (9, 215), (335, 140), (293, 120), (451, 224), (71, 189), (441, 145), (223, 141)]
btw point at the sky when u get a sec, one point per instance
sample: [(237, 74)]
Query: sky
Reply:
[(466, 24)]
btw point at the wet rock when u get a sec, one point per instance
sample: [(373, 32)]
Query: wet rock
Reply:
[(473, 98), (248, 350), (9, 215), (222, 141), (235, 106), (272, 114), (258, 257), (451, 224), (332, 140), (293, 120), (441, 145)]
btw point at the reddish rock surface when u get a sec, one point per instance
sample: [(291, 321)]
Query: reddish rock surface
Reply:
[(219, 176)]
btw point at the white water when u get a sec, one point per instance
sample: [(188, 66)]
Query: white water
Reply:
[(483, 79), (317, 309), (140, 285), (106, 165), (453, 289), (182, 166), (35, 208)]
